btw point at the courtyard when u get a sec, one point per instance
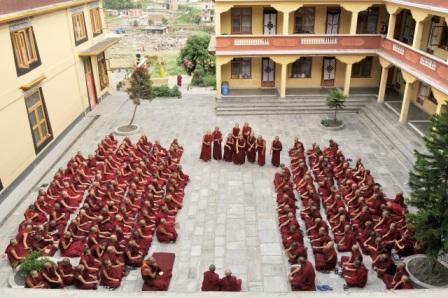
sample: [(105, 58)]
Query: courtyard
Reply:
[(229, 216)]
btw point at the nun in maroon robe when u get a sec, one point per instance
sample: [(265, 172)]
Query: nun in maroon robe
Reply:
[(240, 152), (261, 150), (229, 148), (211, 280), (275, 152), (217, 140), (230, 283), (206, 152), (251, 150), (355, 275), (15, 252), (235, 133), (302, 277)]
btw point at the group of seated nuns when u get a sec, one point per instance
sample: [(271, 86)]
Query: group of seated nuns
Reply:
[(123, 193), (361, 218), (240, 144)]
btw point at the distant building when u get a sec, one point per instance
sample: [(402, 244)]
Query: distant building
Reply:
[(156, 29), (54, 68)]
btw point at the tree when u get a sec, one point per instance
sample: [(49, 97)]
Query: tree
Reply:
[(428, 181), (141, 87), (336, 100), (164, 21), (150, 22), (195, 52)]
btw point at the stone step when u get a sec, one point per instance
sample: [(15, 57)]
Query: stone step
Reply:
[(401, 136), (280, 112), (291, 99), (285, 106)]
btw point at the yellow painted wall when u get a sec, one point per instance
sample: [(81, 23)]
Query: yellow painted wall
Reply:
[(375, 76), (257, 21), (252, 83), (64, 89)]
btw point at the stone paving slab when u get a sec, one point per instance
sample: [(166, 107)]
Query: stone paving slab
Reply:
[(229, 213)]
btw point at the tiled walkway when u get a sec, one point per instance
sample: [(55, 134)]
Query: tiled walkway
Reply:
[(228, 216)]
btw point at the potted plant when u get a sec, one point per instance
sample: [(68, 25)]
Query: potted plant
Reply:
[(140, 87), (336, 101), (428, 181), (33, 261)]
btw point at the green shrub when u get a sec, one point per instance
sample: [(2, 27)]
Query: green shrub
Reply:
[(33, 261), (331, 122), (203, 79), (165, 91)]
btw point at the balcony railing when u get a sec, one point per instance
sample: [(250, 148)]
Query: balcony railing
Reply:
[(423, 65), (244, 43)]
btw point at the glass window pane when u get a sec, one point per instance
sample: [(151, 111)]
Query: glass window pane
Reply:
[(40, 113), (43, 129), (236, 11), (32, 99), (33, 120), (247, 26), (236, 25), (36, 136)]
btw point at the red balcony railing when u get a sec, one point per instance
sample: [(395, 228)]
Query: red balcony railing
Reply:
[(415, 60), (254, 43)]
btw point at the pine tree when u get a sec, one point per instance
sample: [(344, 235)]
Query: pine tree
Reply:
[(141, 87), (429, 189)]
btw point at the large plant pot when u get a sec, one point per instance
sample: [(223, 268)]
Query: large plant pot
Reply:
[(15, 280), (420, 274), (127, 130)]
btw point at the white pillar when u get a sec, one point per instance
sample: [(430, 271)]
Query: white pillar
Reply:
[(418, 35), (218, 81), (285, 22), (406, 103), (383, 84), (348, 77), (354, 23), (391, 26), (283, 79)]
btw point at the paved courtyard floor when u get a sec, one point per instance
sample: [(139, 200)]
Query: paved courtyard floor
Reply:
[(229, 216)]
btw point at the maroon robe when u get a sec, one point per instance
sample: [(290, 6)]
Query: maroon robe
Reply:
[(240, 155), (211, 282), (217, 140), (304, 279), (261, 151), (230, 284), (356, 278), (250, 149), (228, 150), (206, 152), (276, 149)]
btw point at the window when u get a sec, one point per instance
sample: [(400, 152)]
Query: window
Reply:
[(368, 21), (37, 115), (241, 20), (362, 69), (301, 68), (304, 20), (425, 92), (25, 50), (241, 68), (102, 70), (95, 17), (444, 38), (79, 28)]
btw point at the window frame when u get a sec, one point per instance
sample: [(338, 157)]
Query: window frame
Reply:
[(233, 16), (298, 64), (240, 62), (25, 50), (101, 60), (38, 146), (357, 69), (443, 44), (96, 21), (79, 40), (304, 15), (363, 20)]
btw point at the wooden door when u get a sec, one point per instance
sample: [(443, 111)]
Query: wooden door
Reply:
[(328, 71), (268, 72), (90, 83), (333, 17), (270, 22)]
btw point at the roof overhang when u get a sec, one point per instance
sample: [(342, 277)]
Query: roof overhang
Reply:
[(99, 47)]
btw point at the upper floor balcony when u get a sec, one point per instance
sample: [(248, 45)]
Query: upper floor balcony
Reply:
[(420, 29), (423, 65)]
